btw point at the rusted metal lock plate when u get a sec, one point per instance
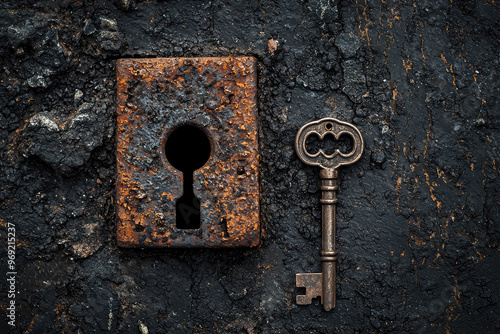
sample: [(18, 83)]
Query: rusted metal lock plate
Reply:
[(157, 96)]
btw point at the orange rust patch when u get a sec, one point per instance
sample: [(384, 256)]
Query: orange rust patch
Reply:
[(154, 97), (272, 46)]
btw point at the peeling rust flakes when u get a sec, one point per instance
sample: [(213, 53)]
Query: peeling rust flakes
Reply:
[(154, 97)]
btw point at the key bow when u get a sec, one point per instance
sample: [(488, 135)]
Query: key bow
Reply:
[(321, 128)]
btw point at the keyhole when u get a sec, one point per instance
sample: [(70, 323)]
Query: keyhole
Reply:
[(187, 149)]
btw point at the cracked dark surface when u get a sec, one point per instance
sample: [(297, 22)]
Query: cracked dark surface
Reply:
[(418, 217)]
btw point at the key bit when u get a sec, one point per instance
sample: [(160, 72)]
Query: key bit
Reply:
[(323, 284), (312, 283)]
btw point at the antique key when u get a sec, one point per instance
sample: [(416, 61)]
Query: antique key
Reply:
[(323, 284)]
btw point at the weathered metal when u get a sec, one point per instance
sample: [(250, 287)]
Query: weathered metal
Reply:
[(323, 284), (156, 96)]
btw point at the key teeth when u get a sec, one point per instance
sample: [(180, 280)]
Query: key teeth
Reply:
[(303, 300), (313, 284)]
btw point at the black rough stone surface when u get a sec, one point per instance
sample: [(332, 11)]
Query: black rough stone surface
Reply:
[(418, 217)]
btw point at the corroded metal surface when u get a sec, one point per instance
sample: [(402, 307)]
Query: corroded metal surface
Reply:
[(323, 284), (154, 97)]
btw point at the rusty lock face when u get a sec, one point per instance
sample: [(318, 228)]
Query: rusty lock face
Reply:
[(187, 153)]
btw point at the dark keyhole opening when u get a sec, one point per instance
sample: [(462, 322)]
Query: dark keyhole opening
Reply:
[(187, 149), (344, 144)]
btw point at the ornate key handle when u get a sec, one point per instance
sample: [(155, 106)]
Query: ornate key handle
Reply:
[(321, 128), (323, 284)]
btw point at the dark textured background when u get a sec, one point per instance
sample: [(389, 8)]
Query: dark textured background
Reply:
[(418, 218)]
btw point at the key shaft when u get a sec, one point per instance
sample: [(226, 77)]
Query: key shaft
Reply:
[(329, 253)]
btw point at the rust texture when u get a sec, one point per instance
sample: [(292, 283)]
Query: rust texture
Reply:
[(154, 97)]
